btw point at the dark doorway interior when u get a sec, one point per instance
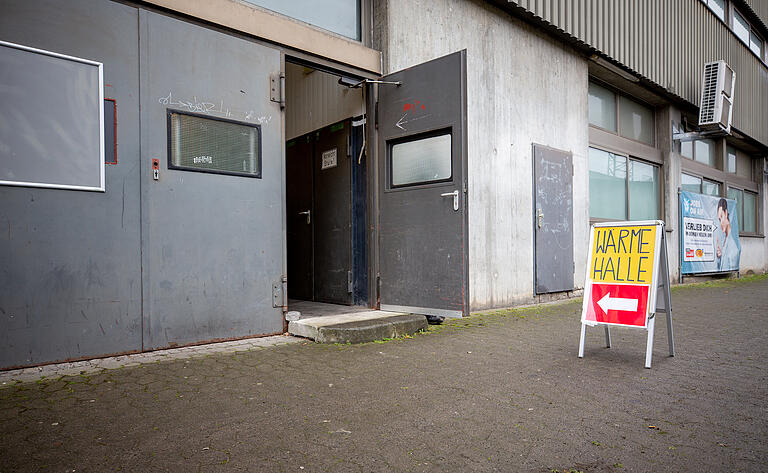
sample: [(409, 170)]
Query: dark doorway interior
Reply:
[(326, 215)]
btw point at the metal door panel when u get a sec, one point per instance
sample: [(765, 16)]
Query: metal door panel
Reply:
[(298, 172), (553, 219), (333, 216), (422, 239), (212, 244)]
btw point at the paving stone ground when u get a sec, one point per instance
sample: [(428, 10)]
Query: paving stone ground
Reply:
[(503, 391)]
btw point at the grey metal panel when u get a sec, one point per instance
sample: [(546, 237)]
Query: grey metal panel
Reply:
[(553, 219), (422, 238), (668, 42), (213, 244), (69, 260), (333, 216)]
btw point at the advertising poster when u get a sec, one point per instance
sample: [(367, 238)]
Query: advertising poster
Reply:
[(710, 234)]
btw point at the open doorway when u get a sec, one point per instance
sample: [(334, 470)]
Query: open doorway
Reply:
[(326, 189)]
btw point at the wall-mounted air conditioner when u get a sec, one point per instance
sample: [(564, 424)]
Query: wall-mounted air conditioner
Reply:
[(716, 105)]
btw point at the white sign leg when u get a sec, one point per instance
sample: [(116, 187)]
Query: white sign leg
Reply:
[(649, 344), (581, 340)]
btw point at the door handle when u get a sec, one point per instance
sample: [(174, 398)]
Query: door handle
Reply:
[(541, 217), (455, 195), (308, 213)]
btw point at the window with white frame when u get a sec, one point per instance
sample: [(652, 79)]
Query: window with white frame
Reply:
[(748, 34), (702, 151), (718, 7), (339, 16)]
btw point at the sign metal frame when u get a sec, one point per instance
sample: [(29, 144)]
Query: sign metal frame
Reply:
[(659, 282)]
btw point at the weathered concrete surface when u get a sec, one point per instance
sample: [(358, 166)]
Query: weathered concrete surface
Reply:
[(499, 392), (310, 327), (374, 329)]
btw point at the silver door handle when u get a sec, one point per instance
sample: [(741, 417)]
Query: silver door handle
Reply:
[(455, 195), (308, 213), (541, 217)]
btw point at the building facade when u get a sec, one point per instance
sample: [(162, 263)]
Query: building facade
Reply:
[(176, 172)]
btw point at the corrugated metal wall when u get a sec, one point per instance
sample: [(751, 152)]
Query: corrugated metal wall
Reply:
[(667, 42), (760, 7)]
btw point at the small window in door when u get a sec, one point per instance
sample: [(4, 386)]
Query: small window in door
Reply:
[(423, 160)]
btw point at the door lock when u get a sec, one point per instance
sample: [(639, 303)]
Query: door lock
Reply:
[(308, 213), (455, 195), (541, 217)]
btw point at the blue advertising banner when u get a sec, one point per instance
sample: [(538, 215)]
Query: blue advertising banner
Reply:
[(710, 234)]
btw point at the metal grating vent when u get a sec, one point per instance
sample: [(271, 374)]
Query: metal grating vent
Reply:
[(708, 94), (211, 144)]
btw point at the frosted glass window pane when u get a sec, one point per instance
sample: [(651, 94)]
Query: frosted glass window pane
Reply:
[(740, 27), (750, 212), (339, 16), (421, 161), (212, 145), (717, 6), (691, 183), (755, 43), (643, 191), (704, 152), (635, 121), (602, 107), (738, 196), (607, 185), (731, 165), (686, 149), (710, 188), (743, 165)]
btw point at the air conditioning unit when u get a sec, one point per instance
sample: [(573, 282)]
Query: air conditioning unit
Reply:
[(716, 105)]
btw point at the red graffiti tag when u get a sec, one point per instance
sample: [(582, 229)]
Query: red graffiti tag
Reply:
[(413, 106)]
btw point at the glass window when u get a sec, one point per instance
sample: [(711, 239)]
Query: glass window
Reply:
[(740, 27), (710, 188), (643, 191), (731, 164), (690, 183), (750, 212), (421, 161), (704, 152), (743, 165), (607, 185), (755, 44), (686, 149), (738, 196), (718, 7), (339, 16), (602, 107), (214, 145), (635, 121)]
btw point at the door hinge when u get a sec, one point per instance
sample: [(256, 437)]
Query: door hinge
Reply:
[(277, 88), (350, 282), (280, 294)]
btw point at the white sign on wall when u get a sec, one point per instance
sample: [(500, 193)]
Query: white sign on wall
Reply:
[(698, 239), (329, 159)]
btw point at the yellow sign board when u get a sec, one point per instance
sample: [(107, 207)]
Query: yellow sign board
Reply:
[(623, 254)]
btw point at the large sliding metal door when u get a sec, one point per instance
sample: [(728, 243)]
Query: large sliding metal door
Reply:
[(422, 188)]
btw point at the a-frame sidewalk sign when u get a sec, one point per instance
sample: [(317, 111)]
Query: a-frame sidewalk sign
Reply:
[(627, 280)]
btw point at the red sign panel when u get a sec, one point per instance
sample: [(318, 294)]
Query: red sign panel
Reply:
[(621, 304)]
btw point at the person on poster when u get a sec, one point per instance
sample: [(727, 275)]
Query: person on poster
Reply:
[(727, 250)]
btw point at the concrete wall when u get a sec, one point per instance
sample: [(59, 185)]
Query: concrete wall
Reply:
[(523, 88)]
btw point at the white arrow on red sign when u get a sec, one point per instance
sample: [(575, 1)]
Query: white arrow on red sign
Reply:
[(617, 303)]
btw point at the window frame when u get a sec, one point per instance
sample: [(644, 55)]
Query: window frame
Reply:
[(629, 157), (617, 93), (169, 116), (733, 11), (422, 184)]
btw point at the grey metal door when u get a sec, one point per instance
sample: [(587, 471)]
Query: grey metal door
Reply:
[(553, 219), (299, 217), (333, 215), (422, 188), (212, 242)]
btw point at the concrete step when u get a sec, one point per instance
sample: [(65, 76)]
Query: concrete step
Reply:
[(359, 327)]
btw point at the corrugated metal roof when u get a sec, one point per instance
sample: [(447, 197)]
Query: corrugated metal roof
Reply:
[(666, 42)]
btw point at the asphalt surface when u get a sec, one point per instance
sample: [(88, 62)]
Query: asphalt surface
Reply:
[(502, 391)]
